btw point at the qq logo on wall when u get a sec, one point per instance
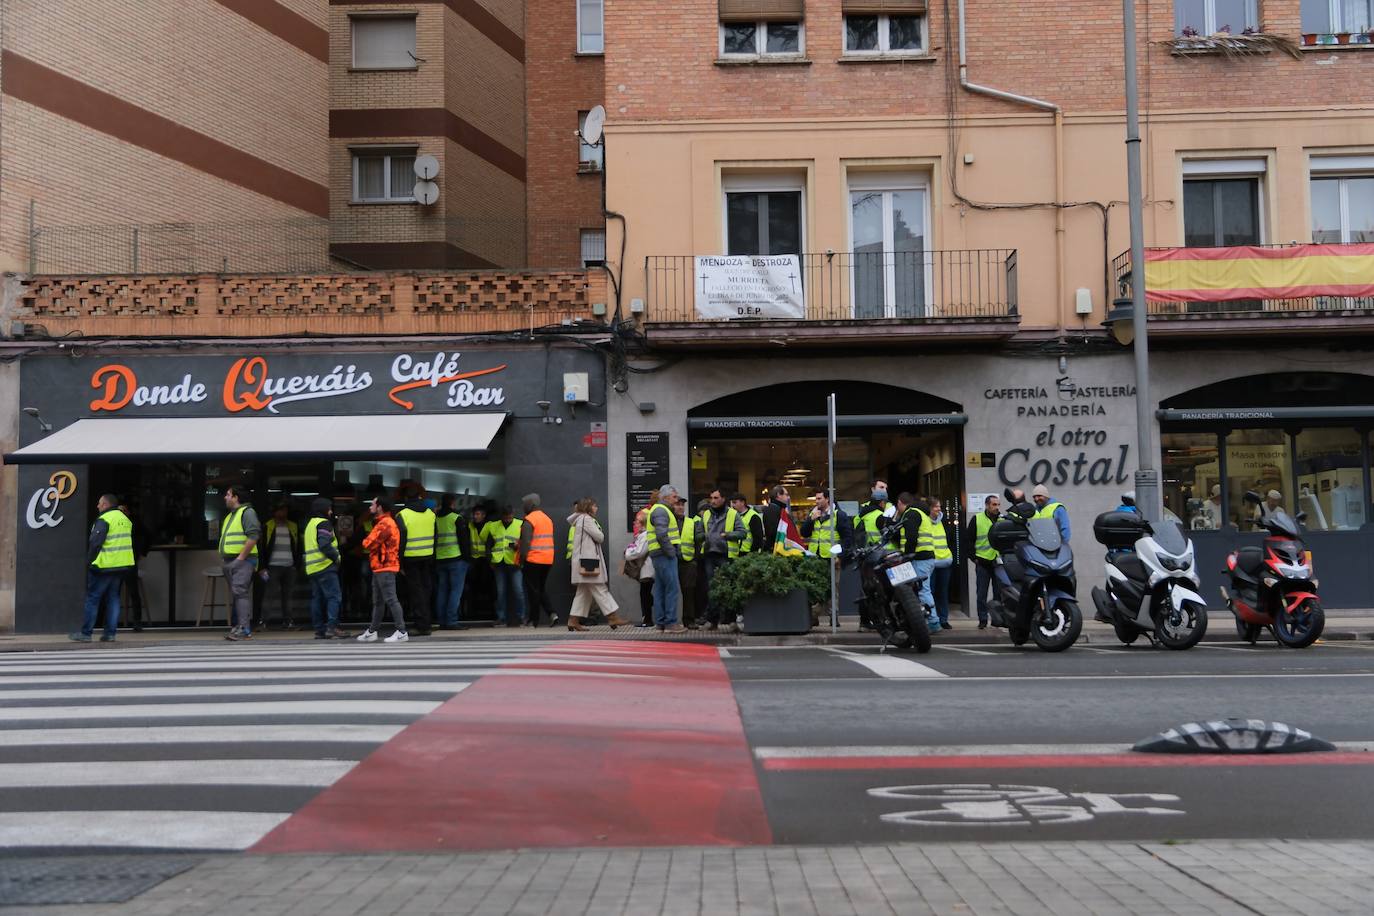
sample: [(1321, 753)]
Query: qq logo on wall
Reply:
[(46, 501)]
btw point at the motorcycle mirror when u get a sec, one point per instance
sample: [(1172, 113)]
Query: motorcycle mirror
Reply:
[(836, 550), (1252, 497), (1300, 517)]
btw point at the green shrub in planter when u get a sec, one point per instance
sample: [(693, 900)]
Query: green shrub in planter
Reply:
[(769, 573)]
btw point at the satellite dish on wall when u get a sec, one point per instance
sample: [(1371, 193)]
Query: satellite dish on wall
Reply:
[(426, 192), (594, 125), (426, 167)]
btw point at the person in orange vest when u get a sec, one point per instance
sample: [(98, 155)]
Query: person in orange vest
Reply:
[(536, 552)]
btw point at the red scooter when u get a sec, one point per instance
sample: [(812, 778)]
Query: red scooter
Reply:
[(1272, 586)]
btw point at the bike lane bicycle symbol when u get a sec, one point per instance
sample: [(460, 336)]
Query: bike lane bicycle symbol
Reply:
[(988, 805)]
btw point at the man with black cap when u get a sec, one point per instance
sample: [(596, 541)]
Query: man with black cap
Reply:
[(321, 556)]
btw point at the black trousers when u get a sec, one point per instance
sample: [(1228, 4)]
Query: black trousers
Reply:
[(134, 617), (688, 573), (712, 563), (536, 576), (419, 579), (646, 600), (479, 593)]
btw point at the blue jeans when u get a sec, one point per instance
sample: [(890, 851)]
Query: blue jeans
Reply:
[(449, 576), (926, 570), (102, 590), (940, 589), (984, 583), (325, 598), (666, 590), (508, 582)]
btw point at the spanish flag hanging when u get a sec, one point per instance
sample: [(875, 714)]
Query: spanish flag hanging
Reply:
[(1251, 272)]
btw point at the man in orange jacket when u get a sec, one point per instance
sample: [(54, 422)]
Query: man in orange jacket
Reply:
[(383, 546), (536, 552)]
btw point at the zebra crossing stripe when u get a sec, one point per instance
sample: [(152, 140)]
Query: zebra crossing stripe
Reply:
[(228, 708), (199, 734), (447, 688), (162, 773), (190, 830)]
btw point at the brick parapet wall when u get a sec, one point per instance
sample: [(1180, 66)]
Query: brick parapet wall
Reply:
[(343, 304)]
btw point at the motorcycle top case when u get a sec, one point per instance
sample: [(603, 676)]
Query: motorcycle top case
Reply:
[(1119, 529), (1005, 534)]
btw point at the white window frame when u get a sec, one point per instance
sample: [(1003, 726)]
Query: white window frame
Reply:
[(761, 42), (885, 37), (582, 236), (761, 183), (1209, 19), (885, 183), (580, 48), (1335, 11), (385, 152), (1343, 196), (353, 22), (597, 160)]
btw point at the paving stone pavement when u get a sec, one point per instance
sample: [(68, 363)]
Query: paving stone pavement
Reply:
[(1203, 878)]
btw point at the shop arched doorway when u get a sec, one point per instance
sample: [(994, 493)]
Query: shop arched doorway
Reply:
[(1306, 435), (754, 440)]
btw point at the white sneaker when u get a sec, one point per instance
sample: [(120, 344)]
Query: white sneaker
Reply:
[(368, 635), (398, 636)]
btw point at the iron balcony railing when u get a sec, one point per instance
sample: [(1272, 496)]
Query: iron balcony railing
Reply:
[(1121, 270), (862, 286)]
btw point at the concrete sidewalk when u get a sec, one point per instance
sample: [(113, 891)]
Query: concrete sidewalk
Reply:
[(1340, 626), (1235, 878)]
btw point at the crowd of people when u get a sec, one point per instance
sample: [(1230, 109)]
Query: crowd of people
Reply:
[(429, 565)]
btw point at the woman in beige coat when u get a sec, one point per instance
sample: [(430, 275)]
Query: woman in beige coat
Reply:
[(587, 539)]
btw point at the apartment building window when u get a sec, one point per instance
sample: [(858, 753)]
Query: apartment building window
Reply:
[(763, 215), (384, 175), (1343, 200), (1222, 202), (887, 230), (589, 158), (593, 242), (591, 27), (1333, 17), (884, 26), (1208, 17), (384, 43), (762, 28)]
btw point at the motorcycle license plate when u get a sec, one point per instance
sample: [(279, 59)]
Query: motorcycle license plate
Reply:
[(899, 574)]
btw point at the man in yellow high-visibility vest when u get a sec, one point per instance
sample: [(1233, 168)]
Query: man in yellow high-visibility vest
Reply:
[(109, 555), (944, 561), (320, 557), (238, 551), (978, 548)]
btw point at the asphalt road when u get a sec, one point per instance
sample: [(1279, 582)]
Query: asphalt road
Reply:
[(460, 745), (984, 742)]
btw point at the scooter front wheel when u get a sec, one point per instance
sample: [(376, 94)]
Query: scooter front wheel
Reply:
[(1301, 628), (1182, 627), (1056, 628)]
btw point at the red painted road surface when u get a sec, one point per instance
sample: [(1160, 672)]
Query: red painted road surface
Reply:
[(636, 745)]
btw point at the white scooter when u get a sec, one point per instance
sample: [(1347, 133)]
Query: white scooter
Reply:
[(1151, 584)]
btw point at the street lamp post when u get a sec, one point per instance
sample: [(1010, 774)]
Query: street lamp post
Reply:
[(1147, 494)]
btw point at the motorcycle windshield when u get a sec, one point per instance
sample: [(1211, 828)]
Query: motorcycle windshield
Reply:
[(1281, 523), (1044, 534), (1170, 538)]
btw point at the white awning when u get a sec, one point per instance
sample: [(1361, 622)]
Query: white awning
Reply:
[(195, 438)]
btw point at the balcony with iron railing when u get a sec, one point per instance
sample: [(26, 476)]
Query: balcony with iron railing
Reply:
[(836, 297), (1303, 288)]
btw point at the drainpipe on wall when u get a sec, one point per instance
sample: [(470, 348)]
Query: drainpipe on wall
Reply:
[(1016, 98)]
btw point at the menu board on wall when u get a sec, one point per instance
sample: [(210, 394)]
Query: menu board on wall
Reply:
[(646, 469)]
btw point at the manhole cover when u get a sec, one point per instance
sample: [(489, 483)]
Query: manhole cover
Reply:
[(84, 879), (1233, 736)]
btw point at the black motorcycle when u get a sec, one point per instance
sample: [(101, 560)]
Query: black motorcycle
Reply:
[(891, 602), (1037, 592)]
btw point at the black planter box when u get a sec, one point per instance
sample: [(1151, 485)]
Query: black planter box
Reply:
[(777, 614)]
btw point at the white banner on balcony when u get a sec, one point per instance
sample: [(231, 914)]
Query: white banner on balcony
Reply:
[(749, 286)]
